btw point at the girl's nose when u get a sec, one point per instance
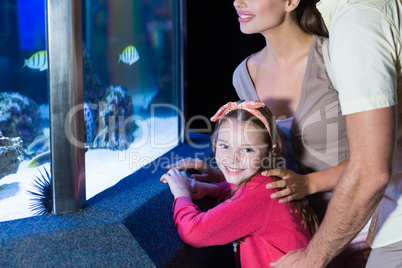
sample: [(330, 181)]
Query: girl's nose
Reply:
[(235, 157)]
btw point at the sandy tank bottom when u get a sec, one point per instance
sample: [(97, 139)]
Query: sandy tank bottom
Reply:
[(103, 168)]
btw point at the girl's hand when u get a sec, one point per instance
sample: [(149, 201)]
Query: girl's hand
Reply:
[(202, 189), (293, 186), (207, 173), (179, 183), (199, 191)]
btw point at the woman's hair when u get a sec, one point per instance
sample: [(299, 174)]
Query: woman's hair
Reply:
[(274, 151), (309, 18)]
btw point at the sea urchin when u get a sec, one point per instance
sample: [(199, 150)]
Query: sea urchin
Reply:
[(42, 202)]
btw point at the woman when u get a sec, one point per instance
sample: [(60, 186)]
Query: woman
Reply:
[(289, 76)]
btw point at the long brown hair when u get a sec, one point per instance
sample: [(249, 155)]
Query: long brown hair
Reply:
[(274, 150), (309, 18)]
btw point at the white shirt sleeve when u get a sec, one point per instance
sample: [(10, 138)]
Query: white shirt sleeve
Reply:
[(363, 58)]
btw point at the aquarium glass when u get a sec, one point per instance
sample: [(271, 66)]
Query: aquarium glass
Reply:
[(24, 107), (131, 94), (129, 74)]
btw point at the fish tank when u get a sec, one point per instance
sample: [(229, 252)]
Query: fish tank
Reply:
[(132, 95)]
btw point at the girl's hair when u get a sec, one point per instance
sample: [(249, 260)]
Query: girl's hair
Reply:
[(309, 18), (274, 150), (274, 144)]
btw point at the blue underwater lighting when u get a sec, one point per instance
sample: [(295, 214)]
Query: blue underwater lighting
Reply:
[(31, 24)]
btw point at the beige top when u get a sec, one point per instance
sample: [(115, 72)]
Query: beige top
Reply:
[(365, 49), (318, 132)]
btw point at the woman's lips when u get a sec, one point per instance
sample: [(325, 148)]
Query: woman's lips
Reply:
[(243, 17)]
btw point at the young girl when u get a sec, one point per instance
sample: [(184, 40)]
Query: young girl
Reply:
[(264, 230)]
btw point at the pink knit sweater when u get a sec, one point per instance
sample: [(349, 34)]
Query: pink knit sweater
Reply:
[(267, 228)]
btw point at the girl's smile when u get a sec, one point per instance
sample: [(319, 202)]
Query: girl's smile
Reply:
[(233, 171), (240, 149)]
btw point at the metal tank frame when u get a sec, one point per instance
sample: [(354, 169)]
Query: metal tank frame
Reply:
[(64, 37)]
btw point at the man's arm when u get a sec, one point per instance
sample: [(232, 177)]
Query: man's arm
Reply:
[(371, 137)]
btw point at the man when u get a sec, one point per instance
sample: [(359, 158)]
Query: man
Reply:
[(365, 50)]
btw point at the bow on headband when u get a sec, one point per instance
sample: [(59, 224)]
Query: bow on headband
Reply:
[(249, 106)]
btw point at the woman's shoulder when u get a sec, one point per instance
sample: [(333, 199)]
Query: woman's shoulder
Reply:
[(319, 38), (242, 67), (243, 83), (243, 64), (318, 44)]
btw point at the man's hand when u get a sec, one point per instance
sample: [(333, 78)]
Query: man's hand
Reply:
[(291, 260)]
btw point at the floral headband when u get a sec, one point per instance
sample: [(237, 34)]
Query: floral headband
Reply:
[(249, 106)]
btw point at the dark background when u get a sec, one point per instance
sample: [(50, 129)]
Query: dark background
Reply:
[(215, 46)]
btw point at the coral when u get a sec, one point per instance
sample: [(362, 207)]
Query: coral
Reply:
[(104, 104), (39, 145), (116, 111), (108, 116), (20, 117), (94, 91), (89, 124), (10, 155)]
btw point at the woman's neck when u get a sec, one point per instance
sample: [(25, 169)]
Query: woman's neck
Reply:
[(285, 45)]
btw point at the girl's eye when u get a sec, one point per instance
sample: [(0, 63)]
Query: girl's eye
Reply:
[(248, 150), (223, 146)]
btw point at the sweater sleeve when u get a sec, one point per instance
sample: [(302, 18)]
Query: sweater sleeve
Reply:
[(224, 188), (227, 222)]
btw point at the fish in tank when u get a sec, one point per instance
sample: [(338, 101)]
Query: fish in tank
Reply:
[(37, 61), (129, 67), (129, 55)]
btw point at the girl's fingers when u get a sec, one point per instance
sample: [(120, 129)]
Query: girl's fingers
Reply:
[(172, 174), (163, 178), (172, 171), (177, 172), (192, 183), (183, 164), (188, 163), (201, 177)]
